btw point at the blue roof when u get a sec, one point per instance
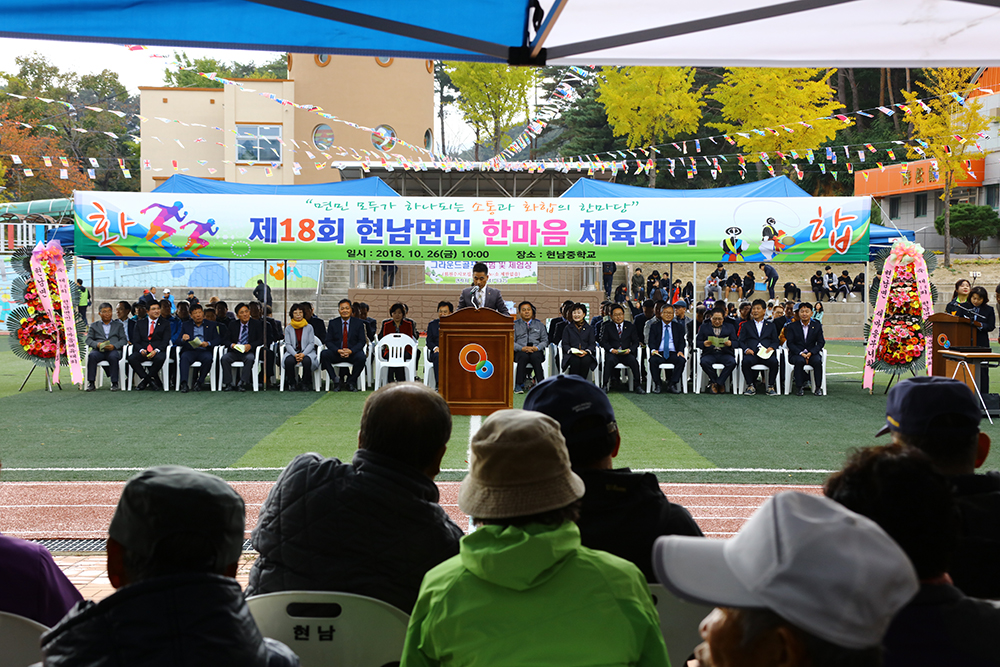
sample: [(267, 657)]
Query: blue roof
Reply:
[(365, 187), (780, 186)]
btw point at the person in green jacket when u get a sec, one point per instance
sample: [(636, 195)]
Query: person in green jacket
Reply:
[(523, 591), (84, 299)]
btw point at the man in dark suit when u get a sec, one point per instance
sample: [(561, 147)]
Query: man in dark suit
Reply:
[(248, 334), (479, 295), (445, 308), (648, 313), (805, 341), (106, 339), (152, 336), (667, 345), (620, 341), (318, 325), (557, 324), (716, 326), (341, 349), (197, 328), (757, 337)]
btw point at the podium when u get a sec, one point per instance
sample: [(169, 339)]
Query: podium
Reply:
[(958, 332), (476, 361)]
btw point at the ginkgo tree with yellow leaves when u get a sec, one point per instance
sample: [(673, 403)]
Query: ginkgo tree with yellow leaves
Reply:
[(772, 111), (946, 125)]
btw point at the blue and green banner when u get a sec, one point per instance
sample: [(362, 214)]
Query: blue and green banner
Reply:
[(275, 227)]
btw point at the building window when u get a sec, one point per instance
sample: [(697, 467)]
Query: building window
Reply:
[(384, 138), (322, 59), (323, 137), (429, 139), (258, 143), (894, 207), (920, 205), (383, 61), (993, 195)]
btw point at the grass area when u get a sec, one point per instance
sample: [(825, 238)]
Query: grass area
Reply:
[(687, 438)]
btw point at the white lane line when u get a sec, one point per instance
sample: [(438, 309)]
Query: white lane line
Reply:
[(845, 373), (475, 422)]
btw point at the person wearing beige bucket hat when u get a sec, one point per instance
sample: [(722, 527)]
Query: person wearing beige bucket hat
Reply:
[(523, 590)]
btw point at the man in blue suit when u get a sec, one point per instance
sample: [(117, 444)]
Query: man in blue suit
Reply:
[(758, 337), (805, 345), (667, 345), (196, 328), (345, 342)]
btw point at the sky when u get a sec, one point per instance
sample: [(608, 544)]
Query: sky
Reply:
[(137, 68)]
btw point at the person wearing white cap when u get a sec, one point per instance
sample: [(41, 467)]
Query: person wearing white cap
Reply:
[(522, 590), (167, 295), (805, 583)]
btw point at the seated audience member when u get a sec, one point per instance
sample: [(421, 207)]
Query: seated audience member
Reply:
[(844, 285), (523, 590), (271, 336), (804, 583), (744, 313), (557, 323), (221, 324), (318, 325), (667, 345), (859, 283), (445, 308), (680, 315), (657, 307), (638, 283), (174, 546), (818, 311), (222, 312), (805, 341), (198, 341), (191, 298), (749, 285), (398, 324), (688, 292), (372, 526), (652, 281), (734, 285), (648, 313), (621, 346), (123, 312), (712, 289), (152, 337), (818, 286), (341, 348), (182, 314), (245, 336), (371, 325), (898, 488), (714, 353), (579, 348), (758, 337), (31, 584), (530, 341), (621, 294), (792, 291), (940, 417), (106, 340), (300, 348), (623, 512)]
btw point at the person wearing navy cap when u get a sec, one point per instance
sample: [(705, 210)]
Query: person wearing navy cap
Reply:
[(941, 416), (623, 512)]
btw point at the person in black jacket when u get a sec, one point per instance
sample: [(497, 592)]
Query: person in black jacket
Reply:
[(608, 270), (196, 328), (262, 293), (818, 286), (805, 344), (344, 351), (579, 336), (978, 309), (757, 337), (622, 512), (717, 326), (749, 285), (373, 526), (620, 341), (667, 345), (557, 324), (245, 336), (445, 308), (152, 337)]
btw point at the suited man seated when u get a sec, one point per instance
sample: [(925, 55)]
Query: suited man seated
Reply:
[(722, 351), (759, 336), (341, 349), (245, 336), (197, 328), (445, 308), (152, 337), (105, 338), (667, 344), (479, 295), (620, 341), (805, 341)]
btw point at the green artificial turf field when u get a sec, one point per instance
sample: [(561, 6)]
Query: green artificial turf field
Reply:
[(74, 435)]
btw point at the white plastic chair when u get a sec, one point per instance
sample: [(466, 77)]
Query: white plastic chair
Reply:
[(20, 638), (362, 379), (679, 623), (317, 371), (594, 374), (395, 346), (326, 628), (429, 368), (685, 374), (164, 378), (212, 369), (105, 365), (701, 377), (741, 382), (808, 368), (602, 359), (546, 365), (239, 364)]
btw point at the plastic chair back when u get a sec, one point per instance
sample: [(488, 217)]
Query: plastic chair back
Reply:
[(20, 638), (679, 621), (328, 629)]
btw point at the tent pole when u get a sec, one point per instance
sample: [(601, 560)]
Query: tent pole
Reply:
[(91, 299), (694, 272), (263, 307), (285, 306)]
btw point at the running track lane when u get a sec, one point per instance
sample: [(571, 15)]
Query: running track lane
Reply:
[(83, 510)]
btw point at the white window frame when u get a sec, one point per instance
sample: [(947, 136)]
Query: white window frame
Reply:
[(246, 129)]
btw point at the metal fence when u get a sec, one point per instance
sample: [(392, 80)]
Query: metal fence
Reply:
[(16, 231)]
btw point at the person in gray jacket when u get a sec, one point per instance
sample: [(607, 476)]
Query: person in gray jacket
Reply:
[(300, 348), (373, 526), (530, 342), (106, 339)]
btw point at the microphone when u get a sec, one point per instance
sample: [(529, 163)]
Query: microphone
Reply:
[(472, 295)]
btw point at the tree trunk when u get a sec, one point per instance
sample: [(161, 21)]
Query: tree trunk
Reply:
[(947, 220), (892, 100), (444, 151), (477, 144), (907, 79), (842, 87), (881, 87), (854, 89), (651, 174)]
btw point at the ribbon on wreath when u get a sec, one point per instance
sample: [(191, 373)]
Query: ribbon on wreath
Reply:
[(903, 253), (64, 326)]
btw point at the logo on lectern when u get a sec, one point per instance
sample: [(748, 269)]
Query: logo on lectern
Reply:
[(483, 367)]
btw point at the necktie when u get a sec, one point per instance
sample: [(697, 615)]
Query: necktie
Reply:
[(243, 334), (152, 325), (481, 298), (344, 343), (619, 331)]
